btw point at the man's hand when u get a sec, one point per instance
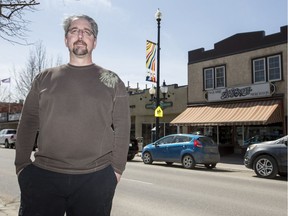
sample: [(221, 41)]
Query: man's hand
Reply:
[(118, 176)]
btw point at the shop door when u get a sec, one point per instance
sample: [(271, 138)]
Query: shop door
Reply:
[(226, 145)]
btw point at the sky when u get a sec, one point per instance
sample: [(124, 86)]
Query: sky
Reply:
[(125, 25)]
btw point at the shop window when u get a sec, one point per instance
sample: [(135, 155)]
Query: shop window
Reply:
[(256, 134)]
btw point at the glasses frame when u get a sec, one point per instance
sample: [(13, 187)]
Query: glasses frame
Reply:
[(85, 32)]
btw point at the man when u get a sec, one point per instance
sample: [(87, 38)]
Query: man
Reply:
[(82, 113)]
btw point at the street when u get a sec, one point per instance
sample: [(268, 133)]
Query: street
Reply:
[(158, 189)]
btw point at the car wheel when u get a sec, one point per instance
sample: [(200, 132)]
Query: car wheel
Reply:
[(6, 144), (265, 166), (169, 163), (210, 166), (188, 162), (147, 158)]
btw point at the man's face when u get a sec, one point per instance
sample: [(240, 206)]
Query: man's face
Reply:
[(80, 39)]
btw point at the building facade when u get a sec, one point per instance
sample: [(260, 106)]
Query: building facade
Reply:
[(142, 106), (9, 115), (238, 90)]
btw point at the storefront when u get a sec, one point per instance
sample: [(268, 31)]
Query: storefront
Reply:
[(234, 124)]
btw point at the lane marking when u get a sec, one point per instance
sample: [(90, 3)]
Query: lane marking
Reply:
[(138, 181)]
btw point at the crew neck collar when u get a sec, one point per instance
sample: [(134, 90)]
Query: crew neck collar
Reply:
[(85, 66)]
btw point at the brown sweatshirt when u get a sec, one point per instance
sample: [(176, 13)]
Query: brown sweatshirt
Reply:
[(83, 118)]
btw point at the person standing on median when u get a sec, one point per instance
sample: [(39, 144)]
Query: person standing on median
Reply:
[(82, 113)]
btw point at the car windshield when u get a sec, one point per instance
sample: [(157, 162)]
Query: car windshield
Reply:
[(282, 140)]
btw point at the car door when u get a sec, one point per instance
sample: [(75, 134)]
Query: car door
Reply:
[(177, 146), (282, 151), (161, 148)]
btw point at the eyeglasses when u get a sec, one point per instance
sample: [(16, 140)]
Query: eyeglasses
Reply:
[(76, 31)]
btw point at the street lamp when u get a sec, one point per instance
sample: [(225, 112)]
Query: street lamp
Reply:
[(158, 16), (163, 90)]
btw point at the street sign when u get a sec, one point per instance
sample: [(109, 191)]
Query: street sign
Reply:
[(158, 112)]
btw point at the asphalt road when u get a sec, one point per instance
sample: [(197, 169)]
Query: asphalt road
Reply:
[(158, 189)]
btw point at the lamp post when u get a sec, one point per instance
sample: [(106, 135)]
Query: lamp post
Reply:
[(158, 16)]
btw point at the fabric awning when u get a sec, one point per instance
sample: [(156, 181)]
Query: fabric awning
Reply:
[(247, 113)]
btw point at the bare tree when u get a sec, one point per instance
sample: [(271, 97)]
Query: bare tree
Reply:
[(36, 62), (13, 27), (4, 94)]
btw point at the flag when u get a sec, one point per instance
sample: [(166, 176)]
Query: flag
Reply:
[(150, 61), (7, 80)]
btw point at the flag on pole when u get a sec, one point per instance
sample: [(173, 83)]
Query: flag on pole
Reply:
[(150, 61), (7, 80)]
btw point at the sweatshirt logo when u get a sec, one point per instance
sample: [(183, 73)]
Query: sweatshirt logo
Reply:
[(109, 78)]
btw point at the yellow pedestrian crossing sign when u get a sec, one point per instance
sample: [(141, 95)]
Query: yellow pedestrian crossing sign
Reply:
[(158, 112)]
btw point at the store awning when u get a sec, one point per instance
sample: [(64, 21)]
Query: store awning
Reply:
[(248, 113)]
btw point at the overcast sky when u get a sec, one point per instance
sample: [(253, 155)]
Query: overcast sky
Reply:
[(125, 25)]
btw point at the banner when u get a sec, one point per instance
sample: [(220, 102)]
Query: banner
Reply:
[(150, 61)]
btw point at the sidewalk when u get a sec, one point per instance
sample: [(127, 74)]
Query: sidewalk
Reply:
[(9, 209), (234, 161)]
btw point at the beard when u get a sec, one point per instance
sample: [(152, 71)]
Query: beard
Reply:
[(80, 48)]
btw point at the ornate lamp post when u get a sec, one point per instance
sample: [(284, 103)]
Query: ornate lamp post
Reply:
[(158, 16)]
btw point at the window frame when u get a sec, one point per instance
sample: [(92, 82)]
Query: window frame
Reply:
[(214, 77), (224, 77), (280, 67), (267, 68)]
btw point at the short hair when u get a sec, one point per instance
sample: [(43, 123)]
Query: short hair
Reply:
[(67, 22)]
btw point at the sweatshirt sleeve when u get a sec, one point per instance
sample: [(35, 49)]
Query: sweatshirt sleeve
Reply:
[(121, 124), (27, 128)]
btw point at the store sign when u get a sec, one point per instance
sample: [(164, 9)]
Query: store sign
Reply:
[(241, 92)]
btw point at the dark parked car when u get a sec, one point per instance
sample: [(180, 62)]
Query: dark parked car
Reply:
[(268, 159), (133, 149), (188, 149)]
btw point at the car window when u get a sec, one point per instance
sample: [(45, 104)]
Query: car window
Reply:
[(11, 132), (182, 139), (207, 141), (165, 140)]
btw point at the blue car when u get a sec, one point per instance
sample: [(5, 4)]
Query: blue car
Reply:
[(187, 149)]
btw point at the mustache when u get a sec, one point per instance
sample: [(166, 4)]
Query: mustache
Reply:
[(80, 42)]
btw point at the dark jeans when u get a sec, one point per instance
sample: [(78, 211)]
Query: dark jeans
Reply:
[(46, 193)]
